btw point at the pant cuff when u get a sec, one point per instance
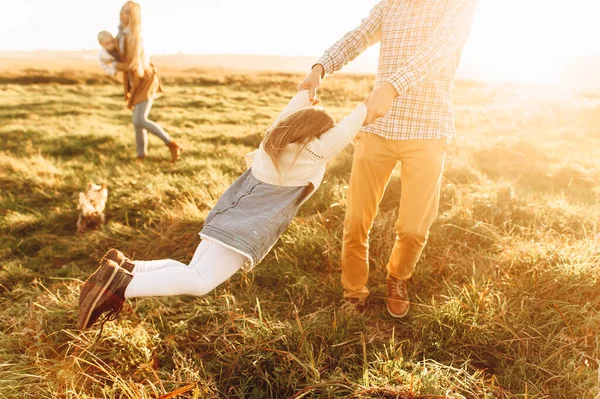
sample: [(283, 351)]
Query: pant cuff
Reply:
[(352, 294), (397, 275)]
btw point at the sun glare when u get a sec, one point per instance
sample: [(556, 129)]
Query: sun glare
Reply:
[(511, 39), (532, 40)]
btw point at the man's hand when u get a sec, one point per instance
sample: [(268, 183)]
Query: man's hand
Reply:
[(312, 83), (379, 102)]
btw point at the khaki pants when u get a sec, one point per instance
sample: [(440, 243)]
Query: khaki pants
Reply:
[(375, 158)]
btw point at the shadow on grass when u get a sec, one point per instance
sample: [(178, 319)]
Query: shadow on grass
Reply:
[(67, 147), (250, 140)]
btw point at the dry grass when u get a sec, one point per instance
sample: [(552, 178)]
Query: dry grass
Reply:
[(506, 296)]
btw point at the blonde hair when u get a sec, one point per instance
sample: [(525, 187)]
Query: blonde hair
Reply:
[(135, 49), (301, 128), (104, 35)]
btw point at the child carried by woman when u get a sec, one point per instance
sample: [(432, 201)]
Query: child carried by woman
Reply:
[(248, 219)]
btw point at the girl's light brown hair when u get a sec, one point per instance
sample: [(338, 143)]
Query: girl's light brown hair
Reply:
[(299, 128), (135, 49)]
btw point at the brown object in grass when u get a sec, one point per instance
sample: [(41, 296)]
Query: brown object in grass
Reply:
[(91, 207)]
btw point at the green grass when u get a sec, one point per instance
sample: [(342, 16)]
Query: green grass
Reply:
[(506, 296)]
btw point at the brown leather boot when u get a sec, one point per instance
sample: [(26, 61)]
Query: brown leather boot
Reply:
[(175, 150), (397, 300), (103, 291), (117, 256)]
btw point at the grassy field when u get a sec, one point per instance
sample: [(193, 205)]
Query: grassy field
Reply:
[(506, 296)]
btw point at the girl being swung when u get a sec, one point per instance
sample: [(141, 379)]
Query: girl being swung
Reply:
[(246, 222)]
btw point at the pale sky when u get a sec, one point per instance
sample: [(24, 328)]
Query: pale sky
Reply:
[(506, 33)]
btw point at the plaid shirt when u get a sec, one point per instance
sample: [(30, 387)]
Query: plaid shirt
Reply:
[(421, 42)]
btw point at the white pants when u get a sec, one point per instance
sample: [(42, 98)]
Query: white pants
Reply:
[(211, 265)]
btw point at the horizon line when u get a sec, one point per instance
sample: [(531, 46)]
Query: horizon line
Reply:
[(364, 56)]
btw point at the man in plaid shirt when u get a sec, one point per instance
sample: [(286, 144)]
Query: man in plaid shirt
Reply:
[(409, 119)]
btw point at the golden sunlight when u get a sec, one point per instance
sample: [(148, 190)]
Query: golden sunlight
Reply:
[(194, 203)]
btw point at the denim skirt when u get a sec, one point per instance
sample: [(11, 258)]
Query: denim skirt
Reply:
[(251, 215)]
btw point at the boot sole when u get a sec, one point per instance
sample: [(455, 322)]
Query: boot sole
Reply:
[(115, 255), (175, 159), (119, 258), (175, 156), (397, 316), (97, 295)]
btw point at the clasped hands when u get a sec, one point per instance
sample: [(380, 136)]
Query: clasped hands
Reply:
[(378, 102)]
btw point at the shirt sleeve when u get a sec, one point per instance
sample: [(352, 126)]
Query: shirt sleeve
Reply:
[(108, 68), (333, 141), (299, 101), (354, 42), (445, 41)]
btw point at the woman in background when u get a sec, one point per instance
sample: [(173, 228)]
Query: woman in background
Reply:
[(141, 82)]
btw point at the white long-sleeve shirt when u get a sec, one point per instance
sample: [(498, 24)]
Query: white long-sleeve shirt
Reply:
[(301, 166), (104, 56)]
